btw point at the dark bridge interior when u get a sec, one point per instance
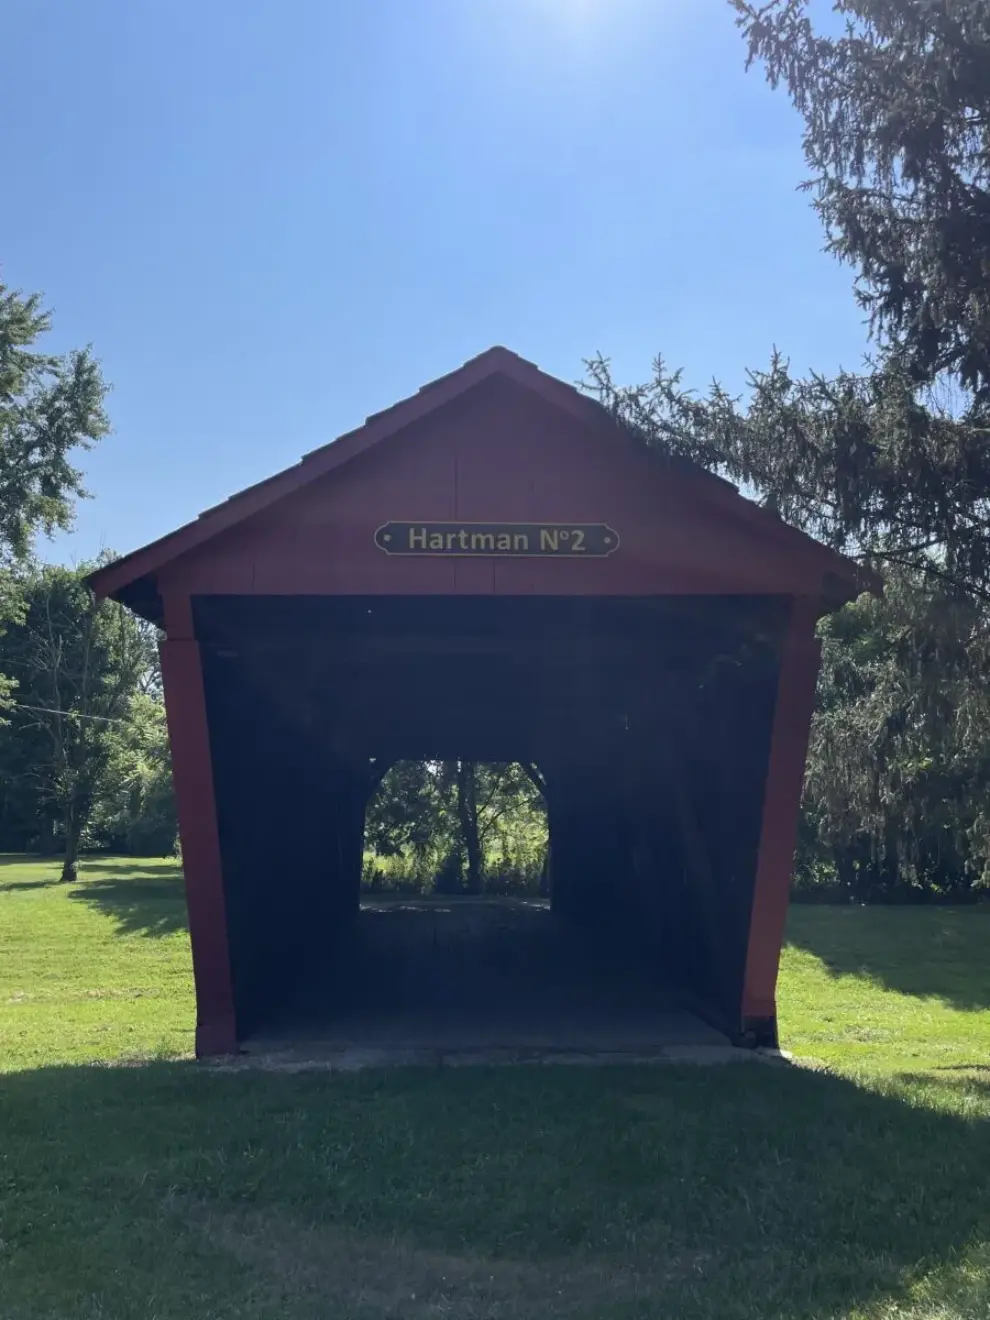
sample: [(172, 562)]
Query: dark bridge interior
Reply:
[(649, 718)]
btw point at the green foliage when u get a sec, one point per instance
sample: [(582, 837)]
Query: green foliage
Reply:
[(78, 725), (897, 137), (50, 407), (898, 768), (899, 763), (408, 812), (135, 812), (892, 463), (417, 823), (863, 462)]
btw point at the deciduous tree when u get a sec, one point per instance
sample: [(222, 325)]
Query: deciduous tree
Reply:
[(51, 407), (78, 664)]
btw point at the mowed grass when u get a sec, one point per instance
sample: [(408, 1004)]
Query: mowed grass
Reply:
[(888, 990), (172, 1189), (96, 971)]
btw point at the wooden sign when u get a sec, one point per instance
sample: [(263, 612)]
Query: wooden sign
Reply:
[(498, 540)]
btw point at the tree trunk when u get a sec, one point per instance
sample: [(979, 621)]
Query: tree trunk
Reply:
[(47, 846), (73, 834), (467, 815)]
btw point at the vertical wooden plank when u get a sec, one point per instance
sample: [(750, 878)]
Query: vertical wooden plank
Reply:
[(778, 832), (185, 703)]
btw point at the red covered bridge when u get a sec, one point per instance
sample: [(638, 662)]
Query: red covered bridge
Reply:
[(490, 570)]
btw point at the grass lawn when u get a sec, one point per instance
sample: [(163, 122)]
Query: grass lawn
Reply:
[(166, 1190)]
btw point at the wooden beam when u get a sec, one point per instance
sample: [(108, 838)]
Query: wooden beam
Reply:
[(778, 832), (185, 704)]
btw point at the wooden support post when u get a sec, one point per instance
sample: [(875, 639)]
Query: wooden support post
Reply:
[(185, 701), (778, 833)]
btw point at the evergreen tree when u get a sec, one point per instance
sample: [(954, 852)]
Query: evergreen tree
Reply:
[(896, 107)]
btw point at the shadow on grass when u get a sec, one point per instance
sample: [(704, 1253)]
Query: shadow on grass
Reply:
[(123, 866), (152, 907), (919, 951), (115, 866), (10, 861), (13, 885), (747, 1192)]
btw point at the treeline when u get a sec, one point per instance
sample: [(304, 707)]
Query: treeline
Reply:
[(83, 752), (897, 801), (896, 797), (890, 463), (457, 827), (84, 759)]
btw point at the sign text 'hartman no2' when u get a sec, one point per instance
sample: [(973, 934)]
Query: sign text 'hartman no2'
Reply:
[(504, 540)]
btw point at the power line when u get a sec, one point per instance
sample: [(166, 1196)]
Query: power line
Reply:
[(77, 714)]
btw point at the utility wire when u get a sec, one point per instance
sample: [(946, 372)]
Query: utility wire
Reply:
[(49, 710)]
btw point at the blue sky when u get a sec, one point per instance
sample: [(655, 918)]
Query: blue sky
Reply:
[(272, 218)]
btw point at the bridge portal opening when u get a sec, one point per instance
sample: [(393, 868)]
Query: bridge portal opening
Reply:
[(517, 816)]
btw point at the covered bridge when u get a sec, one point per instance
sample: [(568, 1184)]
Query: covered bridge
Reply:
[(490, 570)]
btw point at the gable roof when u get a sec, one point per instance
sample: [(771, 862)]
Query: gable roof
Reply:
[(129, 572)]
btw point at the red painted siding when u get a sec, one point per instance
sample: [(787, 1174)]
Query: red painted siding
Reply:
[(502, 454), (781, 806)]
